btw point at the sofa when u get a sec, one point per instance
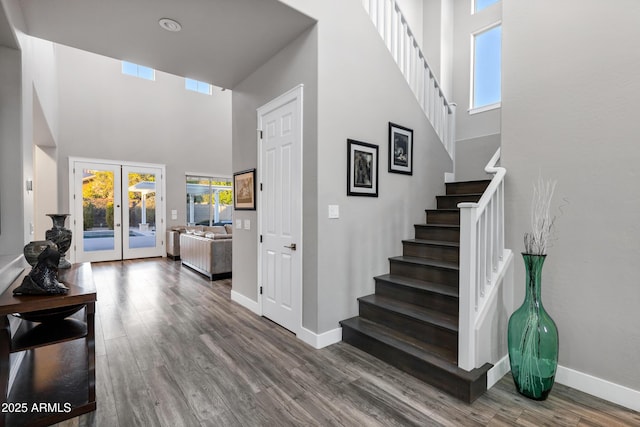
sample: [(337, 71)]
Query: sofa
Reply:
[(204, 249)]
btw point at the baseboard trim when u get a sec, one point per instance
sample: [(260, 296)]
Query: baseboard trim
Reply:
[(606, 390), (247, 303), (499, 370), (616, 393), (319, 341)]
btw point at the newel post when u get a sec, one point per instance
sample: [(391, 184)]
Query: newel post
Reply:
[(467, 286)]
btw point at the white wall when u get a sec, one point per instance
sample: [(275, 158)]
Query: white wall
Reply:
[(356, 103), (472, 155), (470, 125), (11, 207), (107, 115), (413, 13), (570, 91), (296, 64)]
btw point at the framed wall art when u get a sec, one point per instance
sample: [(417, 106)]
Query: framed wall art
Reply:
[(244, 190), (362, 169), (400, 149)]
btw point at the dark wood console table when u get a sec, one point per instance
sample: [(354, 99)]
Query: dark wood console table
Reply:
[(56, 380)]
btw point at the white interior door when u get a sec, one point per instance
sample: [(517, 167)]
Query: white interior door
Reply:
[(96, 211), (280, 209), (117, 211)]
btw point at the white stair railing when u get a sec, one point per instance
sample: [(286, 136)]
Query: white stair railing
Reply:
[(394, 30), (482, 260)]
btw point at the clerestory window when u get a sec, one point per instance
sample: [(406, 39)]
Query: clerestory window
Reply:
[(197, 86), (131, 69)]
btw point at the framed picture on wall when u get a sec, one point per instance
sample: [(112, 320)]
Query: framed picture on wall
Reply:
[(244, 190), (400, 149), (362, 169)]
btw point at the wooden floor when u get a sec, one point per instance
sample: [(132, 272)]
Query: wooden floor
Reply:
[(173, 350)]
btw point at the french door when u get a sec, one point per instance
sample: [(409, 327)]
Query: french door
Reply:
[(117, 210)]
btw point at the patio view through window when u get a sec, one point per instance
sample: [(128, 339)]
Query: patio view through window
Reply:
[(209, 200)]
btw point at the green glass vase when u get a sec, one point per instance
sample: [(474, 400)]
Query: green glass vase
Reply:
[(533, 338)]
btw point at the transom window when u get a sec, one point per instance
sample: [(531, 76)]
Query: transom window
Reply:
[(197, 86), (136, 70)]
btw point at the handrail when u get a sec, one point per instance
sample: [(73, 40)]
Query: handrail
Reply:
[(482, 259), (403, 46)]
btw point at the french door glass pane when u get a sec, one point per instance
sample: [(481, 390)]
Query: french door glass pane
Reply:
[(142, 210), (97, 210)]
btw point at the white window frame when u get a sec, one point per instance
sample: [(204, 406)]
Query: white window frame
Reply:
[(472, 73)]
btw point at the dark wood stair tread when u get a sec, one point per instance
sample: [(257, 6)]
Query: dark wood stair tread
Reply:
[(461, 195), (426, 262), (423, 314), (419, 284), (432, 242), (476, 185), (447, 210), (430, 353)]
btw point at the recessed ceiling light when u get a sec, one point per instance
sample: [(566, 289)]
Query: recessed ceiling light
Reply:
[(170, 25)]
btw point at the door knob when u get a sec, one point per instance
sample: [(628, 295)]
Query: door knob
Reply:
[(291, 246)]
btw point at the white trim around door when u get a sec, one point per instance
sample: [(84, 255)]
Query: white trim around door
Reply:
[(134, 225), (280, 260)]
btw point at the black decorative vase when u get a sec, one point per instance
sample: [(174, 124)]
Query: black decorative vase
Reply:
[(61, 236), (32, 250)]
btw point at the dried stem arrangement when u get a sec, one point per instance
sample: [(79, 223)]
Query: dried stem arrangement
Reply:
[(536, 241)]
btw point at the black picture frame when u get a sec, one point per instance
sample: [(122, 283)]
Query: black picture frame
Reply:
[(362, 169), (400, 149), (244, 190)]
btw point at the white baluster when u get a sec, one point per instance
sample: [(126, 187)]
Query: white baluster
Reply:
[(421, 82), (380, 17), (373, 12), (387, 23), (407, 52), (394, 33)]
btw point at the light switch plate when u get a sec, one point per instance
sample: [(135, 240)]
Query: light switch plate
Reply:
[(334, 211), (174, 214), (247, 224), (239, 224)]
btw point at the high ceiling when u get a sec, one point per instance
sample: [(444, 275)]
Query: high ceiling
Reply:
[(221, 41)]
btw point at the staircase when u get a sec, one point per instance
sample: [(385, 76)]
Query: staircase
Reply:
[(411, 322)]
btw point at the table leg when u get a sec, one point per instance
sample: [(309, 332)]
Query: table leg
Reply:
[(91, 349), (5, 351)]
